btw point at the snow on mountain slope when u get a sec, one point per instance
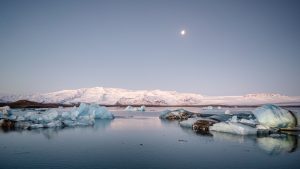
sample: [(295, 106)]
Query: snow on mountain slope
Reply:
[(112, 96)]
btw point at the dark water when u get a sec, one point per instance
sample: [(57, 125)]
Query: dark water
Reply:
[(142, 140)]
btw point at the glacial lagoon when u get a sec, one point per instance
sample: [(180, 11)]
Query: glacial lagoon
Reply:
[(142, 140)]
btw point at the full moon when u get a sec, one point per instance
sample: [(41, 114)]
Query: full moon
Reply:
[(182, 32)]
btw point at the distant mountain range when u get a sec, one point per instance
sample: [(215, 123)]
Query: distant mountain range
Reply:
[(116, 96)]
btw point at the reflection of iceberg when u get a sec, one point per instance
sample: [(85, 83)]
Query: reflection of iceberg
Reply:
[(102, 123), (278, 144), (274, 116), (231, 137)]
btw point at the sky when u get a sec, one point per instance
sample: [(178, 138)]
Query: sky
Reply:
[(231, 47)]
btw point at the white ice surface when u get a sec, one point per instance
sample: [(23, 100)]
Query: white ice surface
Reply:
[(273, 116), (233, 128)]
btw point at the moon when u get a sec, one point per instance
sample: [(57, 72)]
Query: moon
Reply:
[(182, 32)]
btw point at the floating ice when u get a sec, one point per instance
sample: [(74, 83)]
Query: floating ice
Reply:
[(83, 116), (175, 114), (94, 110), (208, 108), (189, 122), (274, 116), (235, 119), (233, 128), (4, 111), (220, 117), (228, 112), (248, 121), (130, 108)]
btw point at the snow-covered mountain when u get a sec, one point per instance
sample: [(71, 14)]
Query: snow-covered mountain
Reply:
[(116, 96)]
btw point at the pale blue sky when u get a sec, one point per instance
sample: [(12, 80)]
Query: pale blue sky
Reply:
[(231, 47)]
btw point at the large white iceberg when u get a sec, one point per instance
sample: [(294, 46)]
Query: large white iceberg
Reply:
[(233, 128), (273, 116)]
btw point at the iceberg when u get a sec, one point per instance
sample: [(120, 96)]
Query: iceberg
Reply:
[(178, 114), (4, 111), (233, 128), (84, 115), (197, 123), (220, 117), (189, 122), (95, 110), (228, 112), (235, 119), (130, 108), (208, 108), (273, 116)]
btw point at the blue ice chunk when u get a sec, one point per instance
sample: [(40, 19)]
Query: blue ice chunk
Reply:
[(273, 116), (94, 110)]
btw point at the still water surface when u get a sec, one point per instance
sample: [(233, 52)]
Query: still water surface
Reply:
[(141, 140)]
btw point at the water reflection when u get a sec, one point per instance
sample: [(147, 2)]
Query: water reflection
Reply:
[(274, 145), (51, 133), (219, 136)]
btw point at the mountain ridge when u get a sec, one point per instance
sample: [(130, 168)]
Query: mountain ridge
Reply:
[(119, 96)]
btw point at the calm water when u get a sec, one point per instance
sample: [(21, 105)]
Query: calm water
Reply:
[(142, 140)]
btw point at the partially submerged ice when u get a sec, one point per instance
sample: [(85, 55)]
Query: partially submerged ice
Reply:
[(233, 128), (179, 114), (84, 115), (273, 116), (130, 108), (99, 112), (198, 124), (189, 122)]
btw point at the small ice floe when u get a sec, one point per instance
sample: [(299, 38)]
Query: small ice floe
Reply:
[(84, 115), (208, 108), (130, 108), (233, 128), (228, 112), (4, 111), (198, 124), (178, 114), (189, 122), (273, 116)]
